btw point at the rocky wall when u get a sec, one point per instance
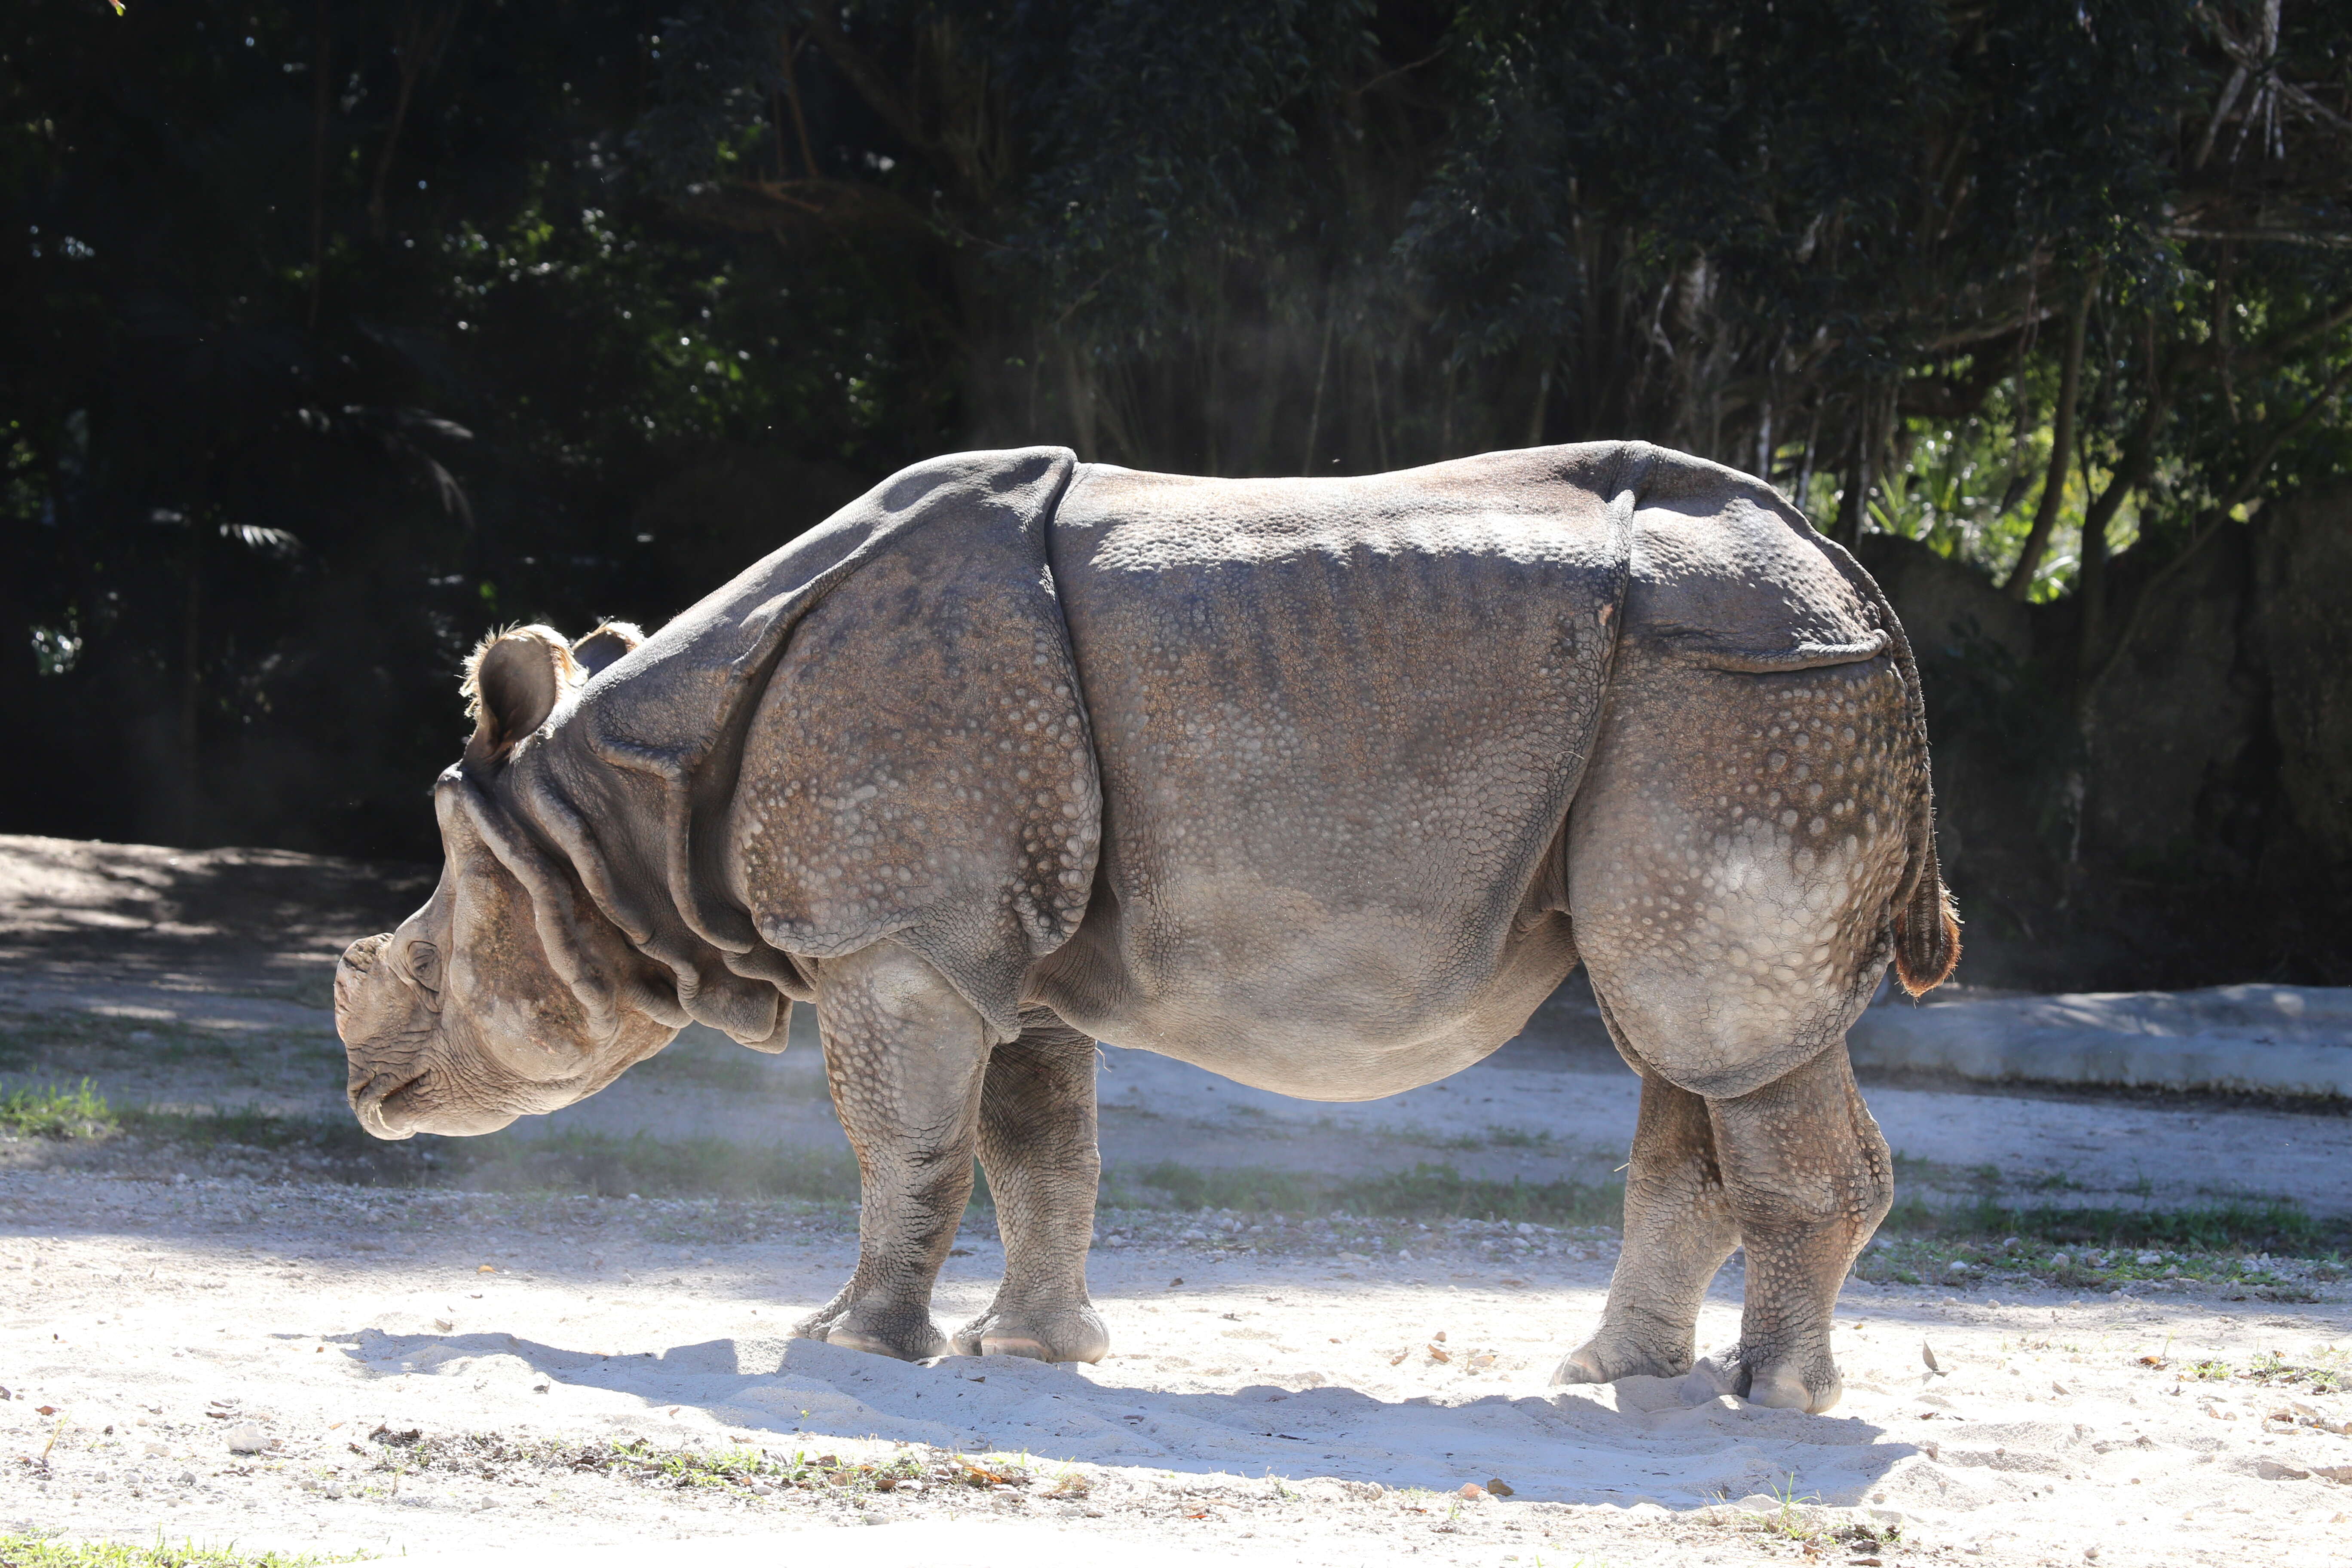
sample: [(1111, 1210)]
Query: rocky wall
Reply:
[(2177, 808)]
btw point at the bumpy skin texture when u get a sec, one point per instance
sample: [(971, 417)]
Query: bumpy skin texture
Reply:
[(1323, 784), (1037, 1145), (906, 1058)]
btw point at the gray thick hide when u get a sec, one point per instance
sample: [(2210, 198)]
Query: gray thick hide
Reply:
[(1328, 726), (873, 732), (1340, 723)]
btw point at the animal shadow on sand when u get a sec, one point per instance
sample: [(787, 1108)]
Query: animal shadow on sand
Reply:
[(1669, 1441)]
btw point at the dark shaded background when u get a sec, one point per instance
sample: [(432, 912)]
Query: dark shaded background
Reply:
[(337, 333)]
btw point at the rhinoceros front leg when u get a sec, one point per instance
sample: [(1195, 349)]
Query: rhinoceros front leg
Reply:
[(1037, 1145), (905, 1053), (1678, 1230)]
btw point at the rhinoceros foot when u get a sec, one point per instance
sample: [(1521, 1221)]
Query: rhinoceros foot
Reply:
[(903, 1332), (1809, 1384), (1075, 1335), (1608, 1356)]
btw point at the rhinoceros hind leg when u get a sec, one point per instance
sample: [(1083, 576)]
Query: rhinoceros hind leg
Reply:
[(1810, 1177), (1037, 1145), (1678, 1231), (1733, 854), (905, 1053)]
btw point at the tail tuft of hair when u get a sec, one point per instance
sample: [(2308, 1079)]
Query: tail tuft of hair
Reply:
[(1927, 933)]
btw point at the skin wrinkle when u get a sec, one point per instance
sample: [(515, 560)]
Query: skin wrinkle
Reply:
[(1322, 784)]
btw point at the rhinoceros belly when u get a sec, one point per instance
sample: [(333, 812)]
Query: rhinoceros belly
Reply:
[(1338, 725)]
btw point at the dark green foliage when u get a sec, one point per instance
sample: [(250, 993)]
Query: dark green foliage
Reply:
[(262, 496), (337, 334)]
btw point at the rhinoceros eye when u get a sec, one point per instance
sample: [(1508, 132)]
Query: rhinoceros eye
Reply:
[(425, 968)]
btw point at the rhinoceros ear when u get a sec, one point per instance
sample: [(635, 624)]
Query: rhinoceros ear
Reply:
[(606, 644), (514, 679)]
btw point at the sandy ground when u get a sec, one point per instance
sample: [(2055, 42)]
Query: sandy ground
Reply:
[(1289, 1402), (421, 1372)]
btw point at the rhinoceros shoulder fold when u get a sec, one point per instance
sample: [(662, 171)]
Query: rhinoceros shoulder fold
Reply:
[(873, 732)]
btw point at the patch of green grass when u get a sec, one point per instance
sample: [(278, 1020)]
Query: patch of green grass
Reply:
[(1426, 1192), (740, 1471), (1493, 1138), (565, 1161), (706, 1058), (2227, 1244), (2326, 1372), (333, 1144), (2275, 1224), (1790, 1521), (1910, 1171), (50, 1552), (49, 1112)]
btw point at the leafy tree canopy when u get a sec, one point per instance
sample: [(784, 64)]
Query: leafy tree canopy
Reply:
[(338, 332)]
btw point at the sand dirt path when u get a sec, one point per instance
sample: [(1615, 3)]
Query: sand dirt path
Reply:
[(1286, 1405), (1289, 1401)]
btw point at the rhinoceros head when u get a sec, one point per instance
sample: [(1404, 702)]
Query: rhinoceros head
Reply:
[(498, 999)]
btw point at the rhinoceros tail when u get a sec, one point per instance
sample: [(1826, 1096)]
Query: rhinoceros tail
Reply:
[(1927, 930)]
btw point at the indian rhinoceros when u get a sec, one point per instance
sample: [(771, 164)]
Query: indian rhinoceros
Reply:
[(1322, 784)]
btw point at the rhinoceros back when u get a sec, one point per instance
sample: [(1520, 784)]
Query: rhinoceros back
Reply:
[(1339, 722), (1340, 725)]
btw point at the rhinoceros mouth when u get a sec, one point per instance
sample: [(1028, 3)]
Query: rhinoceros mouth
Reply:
[(368, 1105)]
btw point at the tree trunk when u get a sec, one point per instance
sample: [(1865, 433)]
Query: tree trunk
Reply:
[(1854, 505), (2062, 451)]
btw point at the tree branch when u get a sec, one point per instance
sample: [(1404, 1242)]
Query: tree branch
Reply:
[(2266, 354), (868, 78), (2061, 450), (2252, 478), (2132, 470), (2274, 236), (419, 44), (2219, 516), (800, 120)]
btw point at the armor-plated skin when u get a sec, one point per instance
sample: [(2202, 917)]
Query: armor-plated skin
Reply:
[(1322, 785)]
